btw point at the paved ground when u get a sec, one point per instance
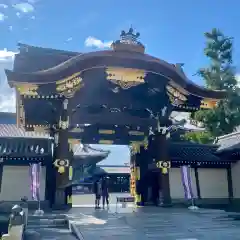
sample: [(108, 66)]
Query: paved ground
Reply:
[(50, 227), (151, 223)]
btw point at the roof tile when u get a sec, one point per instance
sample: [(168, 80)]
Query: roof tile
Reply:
[(229, 142), (12, 131)]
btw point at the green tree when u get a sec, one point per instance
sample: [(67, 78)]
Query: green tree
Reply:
[(202, 137), (220, 75)]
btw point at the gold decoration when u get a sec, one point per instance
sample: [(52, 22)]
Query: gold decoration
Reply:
[(137, 173), (175, 97), (145, 143), (70, 173), (208, 103), (105, 142), (64, 124), (107, 132), (27, 89), (135, 145), (61, 164), (164, 165), (129, 41), (136, 133), (68, 86), (21, 113), (125, 77), (78, 130), (69, 199), (138, 198), (41, 129)]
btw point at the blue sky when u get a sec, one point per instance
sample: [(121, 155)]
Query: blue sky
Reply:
[(171, 30)]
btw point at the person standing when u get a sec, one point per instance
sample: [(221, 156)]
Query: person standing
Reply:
[(105, 193), (97, 192)]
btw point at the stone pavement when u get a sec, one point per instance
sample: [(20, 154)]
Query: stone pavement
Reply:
[(49, 226), (155, 223)]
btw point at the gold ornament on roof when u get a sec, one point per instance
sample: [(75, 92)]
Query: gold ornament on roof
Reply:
[(125, 77), (175, 97), (27, 89), (129, 41), (208, 103), (69, 85)]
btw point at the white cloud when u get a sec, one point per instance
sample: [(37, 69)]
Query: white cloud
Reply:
[(3, 6), (7, 95), (24, 7), (94, 42), (2, 17), (238, 79)]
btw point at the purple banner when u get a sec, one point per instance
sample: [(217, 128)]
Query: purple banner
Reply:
[(35, 170), (187, 182)]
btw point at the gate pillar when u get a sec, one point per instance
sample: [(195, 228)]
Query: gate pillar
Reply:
[(63, 160), (163, 162)]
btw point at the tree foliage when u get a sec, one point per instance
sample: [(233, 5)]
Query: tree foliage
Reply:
[(220, 75), (202, 137)]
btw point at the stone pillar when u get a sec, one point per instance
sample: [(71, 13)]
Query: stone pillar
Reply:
[(63, 160), (163, 162)]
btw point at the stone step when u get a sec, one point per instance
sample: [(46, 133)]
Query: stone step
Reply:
[(45, 221), (48, 234)]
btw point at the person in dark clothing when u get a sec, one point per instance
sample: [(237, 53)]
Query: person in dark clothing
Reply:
[(105, 193), (97, 192)]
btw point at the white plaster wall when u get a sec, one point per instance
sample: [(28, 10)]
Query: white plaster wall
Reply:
[(236, 179), (176, 186), (213, 183), (16, 183)]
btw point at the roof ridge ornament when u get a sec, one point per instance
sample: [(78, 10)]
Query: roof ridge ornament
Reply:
[(129, 37), (129, 41)]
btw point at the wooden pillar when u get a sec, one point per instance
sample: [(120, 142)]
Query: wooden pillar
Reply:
[(132, 176), (162, 155), (143, 174), (141, 167), (230, 183), (197, 183), (138, 178), (63, 160)]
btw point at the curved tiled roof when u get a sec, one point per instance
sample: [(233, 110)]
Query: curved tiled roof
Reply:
[(195, 152), (12, 131), (228, 142), (41, 50), (115, 58), (86, 151)]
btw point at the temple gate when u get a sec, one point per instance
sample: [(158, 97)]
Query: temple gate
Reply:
[(122, 96)]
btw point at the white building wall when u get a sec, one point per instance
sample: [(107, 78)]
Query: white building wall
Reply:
[(213, 183), (176, 186), (16, 183), (236, 179)]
